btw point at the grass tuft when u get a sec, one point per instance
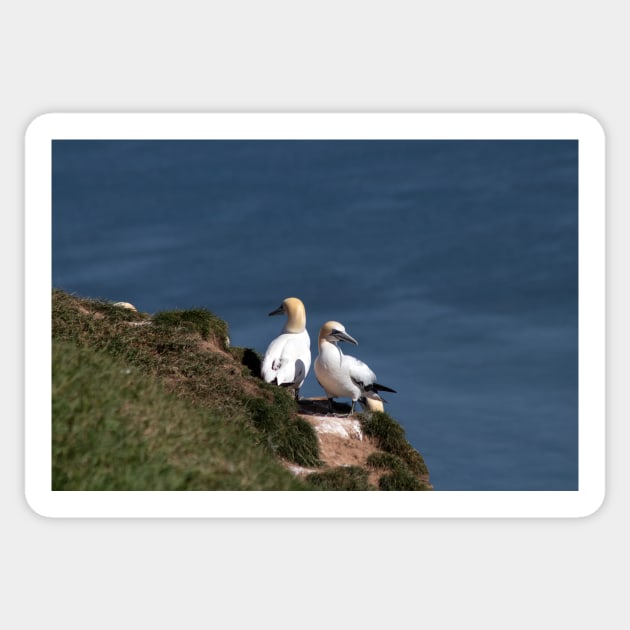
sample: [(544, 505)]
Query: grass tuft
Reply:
[(390, 437), (198, 320), (340, 478), (398, 477), (287, 435)]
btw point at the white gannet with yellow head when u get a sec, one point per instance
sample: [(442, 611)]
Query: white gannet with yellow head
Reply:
[(288, 357), (341, 375)]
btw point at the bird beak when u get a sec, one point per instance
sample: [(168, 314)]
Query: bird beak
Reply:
[(278, 311), (344, 336)]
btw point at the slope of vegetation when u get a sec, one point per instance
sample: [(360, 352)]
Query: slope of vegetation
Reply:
[(163, 403)]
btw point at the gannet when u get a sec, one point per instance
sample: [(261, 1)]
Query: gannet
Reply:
[(341, 375), (371, 404), (287, 360)]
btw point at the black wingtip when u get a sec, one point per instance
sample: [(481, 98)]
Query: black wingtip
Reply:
[(383, 388)]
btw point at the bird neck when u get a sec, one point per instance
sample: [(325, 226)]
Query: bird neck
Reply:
[(330, 351), (329, 346), (296, 321)]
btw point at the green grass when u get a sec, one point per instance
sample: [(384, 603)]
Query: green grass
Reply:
[(115, 428), (398, 476), (159, 403), (294, 439), (341, 478), (198, 320), (390, 437)]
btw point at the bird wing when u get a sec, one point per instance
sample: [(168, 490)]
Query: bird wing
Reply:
[(359, 372), (364, 377), (287, 359)]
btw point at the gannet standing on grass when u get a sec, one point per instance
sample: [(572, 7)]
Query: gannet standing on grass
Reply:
[(288, 357), (341, 375)]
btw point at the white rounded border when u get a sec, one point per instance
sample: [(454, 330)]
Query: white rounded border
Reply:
[(592, 310)]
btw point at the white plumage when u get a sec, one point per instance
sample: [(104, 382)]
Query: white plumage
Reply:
[(341, 375), (287, 360)]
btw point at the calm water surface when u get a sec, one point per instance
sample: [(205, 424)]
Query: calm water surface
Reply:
[(454, 264)]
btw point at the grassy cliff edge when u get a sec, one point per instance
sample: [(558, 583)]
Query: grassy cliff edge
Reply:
[(162, 402)]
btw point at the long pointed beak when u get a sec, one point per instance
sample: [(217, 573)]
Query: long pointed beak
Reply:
[(344, 336), (278, 311)]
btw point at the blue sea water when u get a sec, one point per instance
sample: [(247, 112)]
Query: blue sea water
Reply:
[(453, 263)]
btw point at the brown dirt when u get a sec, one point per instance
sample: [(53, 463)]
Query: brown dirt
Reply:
[(339, 451), (340, 443)]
